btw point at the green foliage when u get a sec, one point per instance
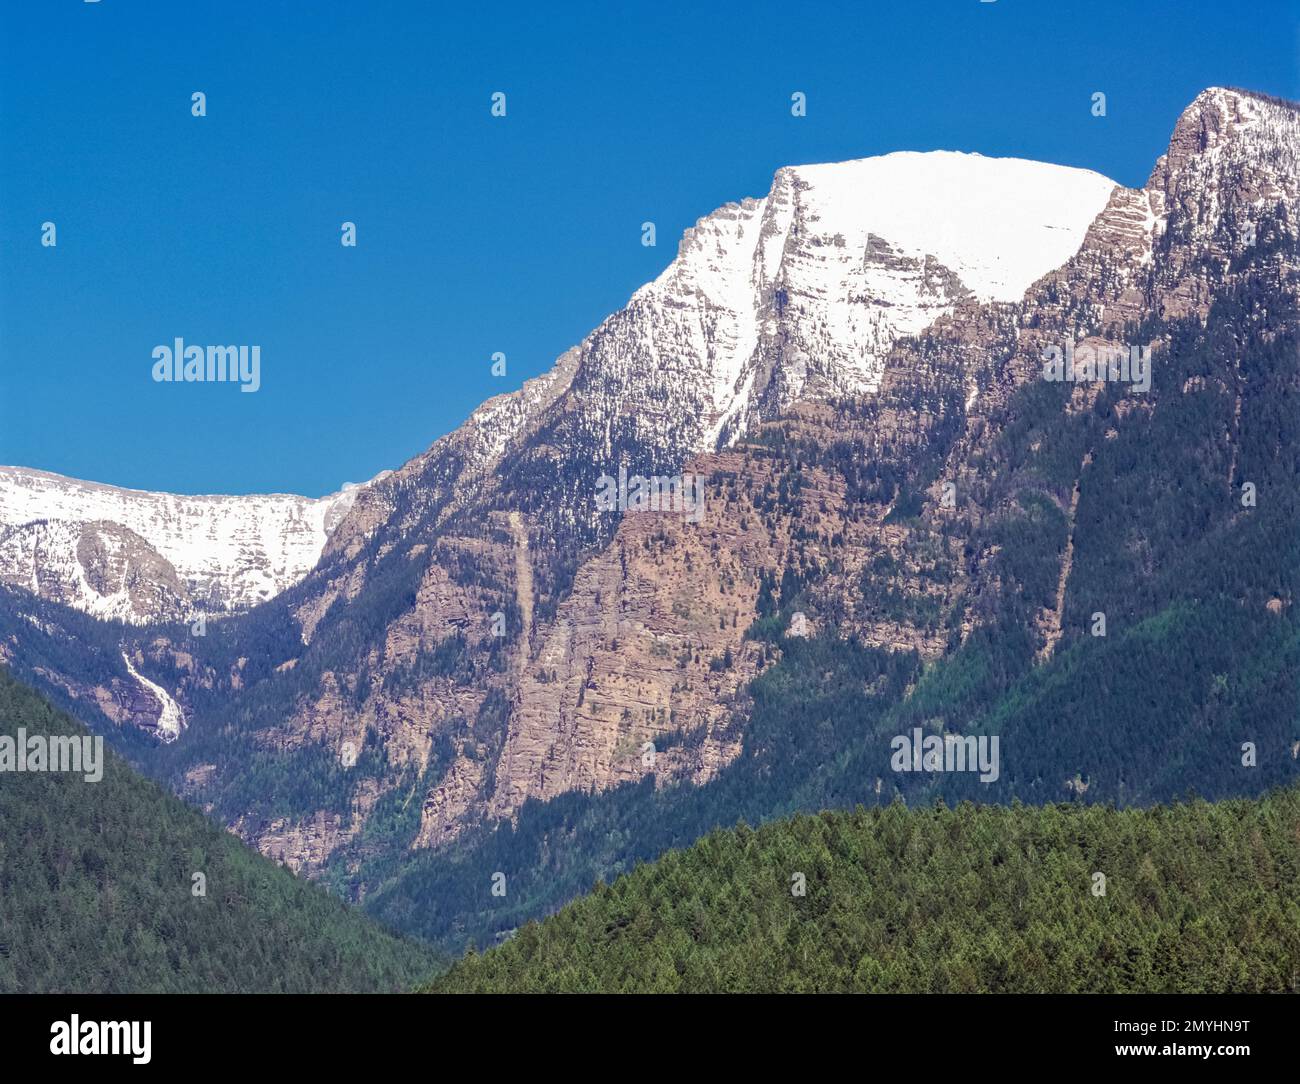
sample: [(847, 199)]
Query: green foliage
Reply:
[(1198, 897), (96, 894)]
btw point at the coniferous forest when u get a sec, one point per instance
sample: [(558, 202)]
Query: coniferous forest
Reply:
[(1058, 898), (98, 893)]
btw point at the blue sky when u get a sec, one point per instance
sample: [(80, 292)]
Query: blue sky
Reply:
[(475, 234)]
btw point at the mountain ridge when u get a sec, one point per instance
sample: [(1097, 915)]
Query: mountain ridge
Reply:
[(163, 556), (942, 900)]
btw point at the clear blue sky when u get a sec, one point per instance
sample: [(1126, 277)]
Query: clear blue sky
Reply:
[(475, 234)]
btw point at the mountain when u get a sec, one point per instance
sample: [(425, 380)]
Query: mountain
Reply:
[(965, 900), (949, 543), (905, 524), (128, 555), (111, 885), (799, 294)]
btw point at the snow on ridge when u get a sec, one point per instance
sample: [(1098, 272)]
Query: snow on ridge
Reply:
[(232, 551), (800, 293)]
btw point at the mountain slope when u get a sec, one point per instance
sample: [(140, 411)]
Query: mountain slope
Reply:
[(1197, 898), (97, 892)]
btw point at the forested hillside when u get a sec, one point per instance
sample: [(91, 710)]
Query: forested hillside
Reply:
[(1197, 897), (97, 892)]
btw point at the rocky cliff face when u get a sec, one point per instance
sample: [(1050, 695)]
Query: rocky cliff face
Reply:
[(606, 684), (1217, 218), (826, 359)]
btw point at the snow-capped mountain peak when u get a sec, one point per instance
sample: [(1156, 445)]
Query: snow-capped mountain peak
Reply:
[(802, 293)]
